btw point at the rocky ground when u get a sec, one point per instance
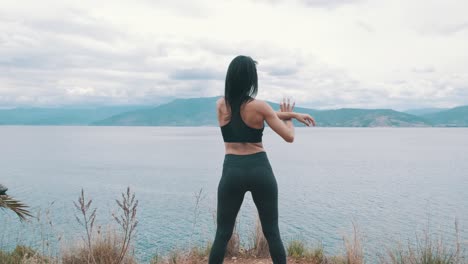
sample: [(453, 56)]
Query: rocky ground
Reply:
[(251, 260)]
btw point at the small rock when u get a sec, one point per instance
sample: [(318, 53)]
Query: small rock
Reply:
[(234, 258)]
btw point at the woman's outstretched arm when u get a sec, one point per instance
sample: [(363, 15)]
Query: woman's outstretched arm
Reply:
[(306, 119), (286, 115)]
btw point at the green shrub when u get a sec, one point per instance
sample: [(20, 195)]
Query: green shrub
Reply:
[(296, 249), (20, 254)]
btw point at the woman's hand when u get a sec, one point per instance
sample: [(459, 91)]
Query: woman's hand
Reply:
[(286, 106), (283, 127), (305, 119)]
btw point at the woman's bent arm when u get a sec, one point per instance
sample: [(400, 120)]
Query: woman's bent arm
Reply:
[(290, 125), (306, 119), (286, 115), (283, 128)]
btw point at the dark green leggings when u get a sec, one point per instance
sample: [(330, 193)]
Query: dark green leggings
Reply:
[(242, 173)]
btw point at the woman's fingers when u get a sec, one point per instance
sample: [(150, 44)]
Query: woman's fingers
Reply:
[(303, 119), (312, 121), (306, 119), (285, 105)]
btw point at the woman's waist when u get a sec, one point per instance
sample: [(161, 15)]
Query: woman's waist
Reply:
[(243, 148), (251, 159)]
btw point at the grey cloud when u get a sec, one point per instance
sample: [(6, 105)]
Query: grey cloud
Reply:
[(69, 22), (196, 74), (428, 69), (91, 29), (329, 88), (324, 88), (462, 92), (44, 62), (445, 29), (47, 64), (57, 44), (439, 92), (398, 82), (329, 4), (186, 8), (282, 71), (453, 29), (365, 26)]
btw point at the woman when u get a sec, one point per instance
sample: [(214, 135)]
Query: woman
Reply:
[(246, 166)]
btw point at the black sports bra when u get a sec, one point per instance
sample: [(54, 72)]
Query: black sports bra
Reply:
[(241, 132)]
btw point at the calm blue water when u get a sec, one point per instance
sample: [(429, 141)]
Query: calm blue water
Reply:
[(392, 182)]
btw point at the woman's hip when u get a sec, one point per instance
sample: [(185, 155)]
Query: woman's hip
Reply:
[(246, 161)]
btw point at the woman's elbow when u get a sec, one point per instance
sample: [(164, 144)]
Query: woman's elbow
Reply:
[(289, 139)]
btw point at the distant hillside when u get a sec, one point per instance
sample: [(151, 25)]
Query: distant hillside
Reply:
[(424, 111), (457, 116), (180, 112), (349, 117), (60, 116), (200, 112)]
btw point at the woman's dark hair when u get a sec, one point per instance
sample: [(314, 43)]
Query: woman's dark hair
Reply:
[(241, 83)]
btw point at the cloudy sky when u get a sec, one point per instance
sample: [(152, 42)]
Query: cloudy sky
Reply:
[(325, 53)]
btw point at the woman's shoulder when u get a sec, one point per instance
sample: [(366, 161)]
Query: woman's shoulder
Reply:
[(259, 104), (253, 103), (220, 101), (220, 104)]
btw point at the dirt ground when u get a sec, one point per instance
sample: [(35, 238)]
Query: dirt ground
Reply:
[(250, 260)]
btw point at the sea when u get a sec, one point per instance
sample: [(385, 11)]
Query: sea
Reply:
[(384, 186)]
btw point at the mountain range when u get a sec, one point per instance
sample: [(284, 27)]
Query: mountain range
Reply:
[(61, 115), (201, 112)]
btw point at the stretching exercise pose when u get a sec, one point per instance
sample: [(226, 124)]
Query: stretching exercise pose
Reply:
[(246, 166)]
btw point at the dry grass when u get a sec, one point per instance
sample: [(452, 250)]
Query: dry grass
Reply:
[(127, 221), (88, 216), (354, 251), (22, 255), (233, 246), (260, 248), (298, 251), (108, 247), (427, 250), (105, 249), (114, 246)]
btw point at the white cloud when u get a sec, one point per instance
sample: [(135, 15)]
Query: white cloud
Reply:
[(328, 54)]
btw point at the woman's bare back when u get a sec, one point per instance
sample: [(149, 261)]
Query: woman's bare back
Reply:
[(251, 118)]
